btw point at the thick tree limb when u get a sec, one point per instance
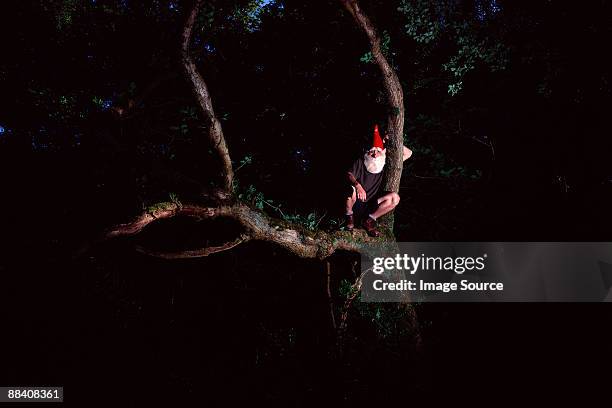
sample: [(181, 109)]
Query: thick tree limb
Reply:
[(256, 226), (395, 97), (215, 132)]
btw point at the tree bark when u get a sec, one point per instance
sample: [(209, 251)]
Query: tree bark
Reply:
[(256, 226), (395, 97), (215, 132)]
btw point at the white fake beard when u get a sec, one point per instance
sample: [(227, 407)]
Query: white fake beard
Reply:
[(374, 165)]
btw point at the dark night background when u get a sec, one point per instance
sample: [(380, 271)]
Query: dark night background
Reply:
[(507, 106)]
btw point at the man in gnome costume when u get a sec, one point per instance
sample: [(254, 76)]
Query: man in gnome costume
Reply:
[(366, 200)]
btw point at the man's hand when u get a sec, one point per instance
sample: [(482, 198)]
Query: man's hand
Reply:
[(406, 153), (361, 194)]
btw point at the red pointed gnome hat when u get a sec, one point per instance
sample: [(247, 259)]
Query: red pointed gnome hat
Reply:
[(377, 142)]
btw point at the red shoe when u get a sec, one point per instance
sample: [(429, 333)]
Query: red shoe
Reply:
[(350, 222), (370, 226)]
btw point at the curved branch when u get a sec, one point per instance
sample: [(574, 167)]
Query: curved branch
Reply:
[(395, 96), (215, 132), (194, 253)]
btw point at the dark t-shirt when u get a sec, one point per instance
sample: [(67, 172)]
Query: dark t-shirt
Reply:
[(369, 181)]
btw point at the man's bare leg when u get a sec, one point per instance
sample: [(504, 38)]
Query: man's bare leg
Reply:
[(386, 204), (350, 202)]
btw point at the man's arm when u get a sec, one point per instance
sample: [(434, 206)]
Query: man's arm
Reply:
[(406, 153), (361, 194)]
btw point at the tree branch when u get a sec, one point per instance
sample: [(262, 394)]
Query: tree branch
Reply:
[(351, 296), (215, 132), (256, 226), (395, 97), (194, 253)]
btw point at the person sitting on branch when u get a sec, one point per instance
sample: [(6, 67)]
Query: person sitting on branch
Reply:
[(365, 199)]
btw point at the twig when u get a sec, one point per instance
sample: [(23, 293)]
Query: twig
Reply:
[(244, 162), (429, 177), (489, 143), (320, 219), (329, 296), (276, 208)]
